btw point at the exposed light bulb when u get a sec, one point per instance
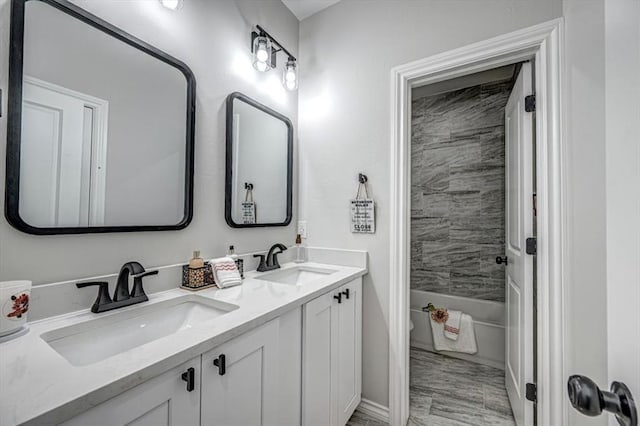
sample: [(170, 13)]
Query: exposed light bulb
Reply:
[(290, 75), (291, 85), (261, 66), (172, 4), (262, 53)]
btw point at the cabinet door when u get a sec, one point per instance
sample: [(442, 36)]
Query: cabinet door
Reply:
[(163, 400), (319, 349), (349, 358), (245, 391)]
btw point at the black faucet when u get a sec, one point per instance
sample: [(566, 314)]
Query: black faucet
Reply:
[(271, 261), (121, 297)]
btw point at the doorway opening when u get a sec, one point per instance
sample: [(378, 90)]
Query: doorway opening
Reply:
[(471, 282), (539, 47)]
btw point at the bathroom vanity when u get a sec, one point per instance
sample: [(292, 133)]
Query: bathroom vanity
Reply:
[(284, 348)]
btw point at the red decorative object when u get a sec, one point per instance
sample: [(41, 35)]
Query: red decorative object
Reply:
[(20, 305), (440, 315)]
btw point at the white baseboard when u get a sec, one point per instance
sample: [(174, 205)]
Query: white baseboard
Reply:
[(373, 409)]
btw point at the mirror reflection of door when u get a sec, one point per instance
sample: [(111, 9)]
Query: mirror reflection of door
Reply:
[(62, 162)]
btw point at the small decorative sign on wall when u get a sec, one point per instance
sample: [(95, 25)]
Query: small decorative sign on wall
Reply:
[(248, 206), (363, 217)]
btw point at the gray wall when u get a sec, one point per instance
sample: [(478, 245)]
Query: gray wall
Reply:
[(584, 171), (347, 52), (457, 192), (213, 39)]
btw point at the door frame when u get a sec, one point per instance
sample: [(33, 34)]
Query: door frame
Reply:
[(542, 43)]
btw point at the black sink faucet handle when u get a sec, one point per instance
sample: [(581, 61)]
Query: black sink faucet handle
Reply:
[(103, 293), (262, 265), (138, 290), (146, 274)]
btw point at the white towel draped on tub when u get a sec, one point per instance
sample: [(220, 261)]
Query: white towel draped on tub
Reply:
[(452, 325), (466, 341)]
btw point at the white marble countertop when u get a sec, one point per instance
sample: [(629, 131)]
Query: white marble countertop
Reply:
[(39, 386)]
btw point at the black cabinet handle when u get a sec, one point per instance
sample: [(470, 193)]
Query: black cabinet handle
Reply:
[(189, 376), (587, 398), (346, 293), (221, 363), (338, 297), (500, 260)]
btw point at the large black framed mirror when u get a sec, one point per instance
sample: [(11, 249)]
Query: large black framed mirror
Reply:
[(259, 175), (100, 133)]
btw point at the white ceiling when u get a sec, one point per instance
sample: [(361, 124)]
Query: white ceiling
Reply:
[(305, 8)]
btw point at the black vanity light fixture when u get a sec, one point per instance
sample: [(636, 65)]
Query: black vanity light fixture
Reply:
[(264, 48), (172, 4)]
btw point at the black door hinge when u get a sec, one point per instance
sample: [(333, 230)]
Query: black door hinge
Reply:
[(531, 392), (532, 246), (530, 103)]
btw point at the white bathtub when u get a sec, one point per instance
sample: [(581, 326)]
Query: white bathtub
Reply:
[(488, 320)]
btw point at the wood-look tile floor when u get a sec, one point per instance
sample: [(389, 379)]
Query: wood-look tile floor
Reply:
[(452, 392)]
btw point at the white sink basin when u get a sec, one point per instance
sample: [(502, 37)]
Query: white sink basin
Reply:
[(99, 339), (297, 275)]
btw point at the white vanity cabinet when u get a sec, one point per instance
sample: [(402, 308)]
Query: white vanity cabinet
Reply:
[(332, 356), (255, 382), (302, 367), (242, 387), (163, 400), (259, 383)]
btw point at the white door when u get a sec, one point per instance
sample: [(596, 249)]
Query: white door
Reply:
[(164, 400), (349, 364), (320, 337), (51, 158), (242, 389), (62, 156), (519, 226)]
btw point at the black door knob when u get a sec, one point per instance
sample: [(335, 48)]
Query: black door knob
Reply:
[(500, 260), (586, 397)]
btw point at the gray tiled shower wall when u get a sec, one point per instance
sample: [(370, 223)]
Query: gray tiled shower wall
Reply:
[(457, 192)]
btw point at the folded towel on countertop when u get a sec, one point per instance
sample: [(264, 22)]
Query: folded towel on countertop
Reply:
[(225, 272), (466, 341), (452, 325)]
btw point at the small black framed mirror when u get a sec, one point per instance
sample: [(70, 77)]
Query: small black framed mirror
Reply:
[(100, 134), (259, 174)]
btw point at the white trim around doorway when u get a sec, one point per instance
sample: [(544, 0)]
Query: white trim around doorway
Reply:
[(542, 43)]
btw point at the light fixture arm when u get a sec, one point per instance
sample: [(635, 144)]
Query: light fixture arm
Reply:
[(263, 33)]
